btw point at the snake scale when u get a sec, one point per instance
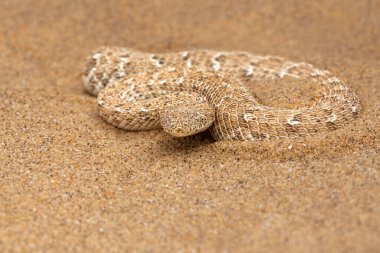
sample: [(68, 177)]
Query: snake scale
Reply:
[(188, 92)]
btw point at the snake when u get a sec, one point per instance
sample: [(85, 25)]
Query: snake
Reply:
[(188, 92)]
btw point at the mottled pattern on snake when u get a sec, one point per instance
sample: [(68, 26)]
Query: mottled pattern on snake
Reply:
[(188, 92)]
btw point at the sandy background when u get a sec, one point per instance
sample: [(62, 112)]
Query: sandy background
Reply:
[(70, 182)]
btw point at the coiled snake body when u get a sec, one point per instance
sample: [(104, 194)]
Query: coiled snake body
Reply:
[(189, 92)]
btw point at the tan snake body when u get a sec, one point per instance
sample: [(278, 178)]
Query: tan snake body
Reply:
[(188, 92)]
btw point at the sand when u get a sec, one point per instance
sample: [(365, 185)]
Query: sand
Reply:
[(69, 182)]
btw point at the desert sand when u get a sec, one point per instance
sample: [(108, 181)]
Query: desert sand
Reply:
[(70, 182)]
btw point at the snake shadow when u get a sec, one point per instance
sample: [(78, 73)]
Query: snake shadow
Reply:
[(169, 144)]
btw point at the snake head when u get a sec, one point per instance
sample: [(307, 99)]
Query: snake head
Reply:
[(187, 115)]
